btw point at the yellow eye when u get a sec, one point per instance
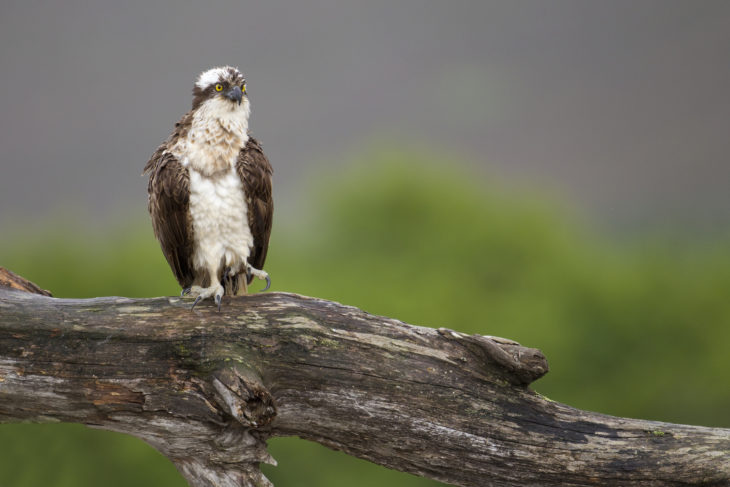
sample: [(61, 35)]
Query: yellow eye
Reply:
[(218, 87)]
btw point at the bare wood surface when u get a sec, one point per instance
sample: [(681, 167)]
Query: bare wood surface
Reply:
[(10, 279), (207, 389)]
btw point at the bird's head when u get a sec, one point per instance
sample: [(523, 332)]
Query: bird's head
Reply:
[(224, 87)]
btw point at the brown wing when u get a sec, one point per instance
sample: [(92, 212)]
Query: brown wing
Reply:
[(255, 172), (169, 193)]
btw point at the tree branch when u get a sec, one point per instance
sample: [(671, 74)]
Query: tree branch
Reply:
[(207, 389)]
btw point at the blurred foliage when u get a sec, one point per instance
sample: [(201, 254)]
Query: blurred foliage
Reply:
[(637, 328)]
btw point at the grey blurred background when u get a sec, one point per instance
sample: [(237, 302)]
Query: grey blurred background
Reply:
[(620, 106)]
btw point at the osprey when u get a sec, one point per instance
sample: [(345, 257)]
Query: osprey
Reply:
[(210, 192)]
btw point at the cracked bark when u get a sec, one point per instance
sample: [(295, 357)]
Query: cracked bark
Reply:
[(207, 389)]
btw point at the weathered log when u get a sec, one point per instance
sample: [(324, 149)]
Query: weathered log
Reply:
[(207, 389)]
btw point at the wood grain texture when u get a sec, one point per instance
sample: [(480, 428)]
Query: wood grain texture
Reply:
[(207, 389)]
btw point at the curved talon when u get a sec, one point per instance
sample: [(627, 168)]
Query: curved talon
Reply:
[(259, 273), (197, 300), (218, 300), (185, 292)]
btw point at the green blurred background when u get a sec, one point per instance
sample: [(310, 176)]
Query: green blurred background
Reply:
[(637, 326)]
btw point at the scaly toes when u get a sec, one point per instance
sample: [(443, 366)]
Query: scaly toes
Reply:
[(216, 291)]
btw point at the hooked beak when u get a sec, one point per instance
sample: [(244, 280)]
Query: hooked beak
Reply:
[(235, 94)]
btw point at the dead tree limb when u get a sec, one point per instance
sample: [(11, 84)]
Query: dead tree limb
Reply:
[(207, 389)]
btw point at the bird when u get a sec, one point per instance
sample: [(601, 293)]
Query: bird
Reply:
[(210, 192)]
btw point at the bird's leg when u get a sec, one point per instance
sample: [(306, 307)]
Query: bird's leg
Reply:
[(185, 291), (261, 274)]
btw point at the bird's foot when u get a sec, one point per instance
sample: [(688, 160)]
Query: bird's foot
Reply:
[(185, 292), (201, 293), (261, 274)]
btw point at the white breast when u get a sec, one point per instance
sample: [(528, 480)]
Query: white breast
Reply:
[(220, 221), (218, 207)]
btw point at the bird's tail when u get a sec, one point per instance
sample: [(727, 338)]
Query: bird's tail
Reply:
[(235, 285)]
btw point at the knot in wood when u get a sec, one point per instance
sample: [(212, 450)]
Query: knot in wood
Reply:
[(240, 392)]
